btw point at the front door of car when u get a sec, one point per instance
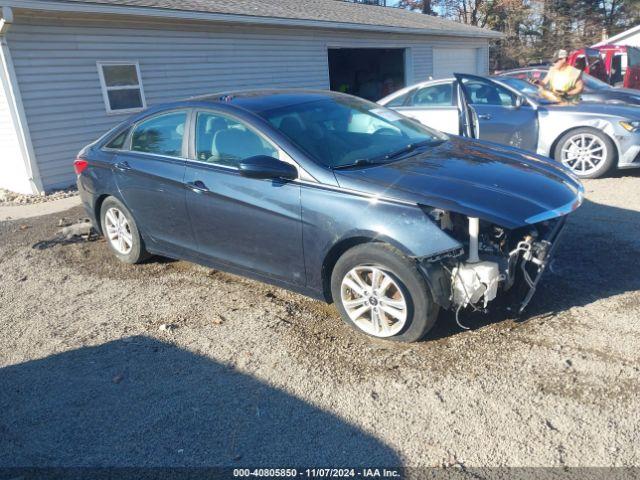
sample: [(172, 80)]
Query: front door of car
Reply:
[(149, 173), (496, 113), (433, 105), (248, 223)]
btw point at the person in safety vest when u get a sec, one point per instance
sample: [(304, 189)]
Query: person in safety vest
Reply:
[(563, 82)]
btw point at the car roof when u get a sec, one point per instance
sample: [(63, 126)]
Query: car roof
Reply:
[(524, 69), (257, 101), (252, 102)]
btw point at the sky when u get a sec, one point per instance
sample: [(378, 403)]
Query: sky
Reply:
[(394, 3)]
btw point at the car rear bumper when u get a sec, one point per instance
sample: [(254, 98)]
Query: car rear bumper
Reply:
[(88, 202)]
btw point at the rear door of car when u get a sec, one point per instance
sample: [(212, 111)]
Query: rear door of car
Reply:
[(435, 106), (247, 223), (632, 73), (149, 174), (497, 113), (596, 64)]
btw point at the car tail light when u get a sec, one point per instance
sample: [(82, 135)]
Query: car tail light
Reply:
[(80, 165)]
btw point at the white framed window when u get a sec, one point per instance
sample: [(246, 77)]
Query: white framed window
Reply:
[(121, 87)]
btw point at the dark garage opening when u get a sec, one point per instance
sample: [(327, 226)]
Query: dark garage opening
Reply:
[(370, 73)]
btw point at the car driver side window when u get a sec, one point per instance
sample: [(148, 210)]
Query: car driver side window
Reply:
[(221, 140), (487, 93), (434, 96)]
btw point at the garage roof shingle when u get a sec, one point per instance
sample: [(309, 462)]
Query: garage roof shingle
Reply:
[(330, 11)]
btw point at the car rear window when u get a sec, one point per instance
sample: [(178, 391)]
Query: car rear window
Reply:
[(118, 141), (633, 57), (400, 99)]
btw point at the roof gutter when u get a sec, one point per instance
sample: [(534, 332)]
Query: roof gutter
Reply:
[(9, 83), (83, 7)]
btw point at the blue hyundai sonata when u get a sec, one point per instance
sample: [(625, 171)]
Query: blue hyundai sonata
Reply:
[(331, 196)]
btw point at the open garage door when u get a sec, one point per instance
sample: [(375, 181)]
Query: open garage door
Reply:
[(370, 73), (447, 61)]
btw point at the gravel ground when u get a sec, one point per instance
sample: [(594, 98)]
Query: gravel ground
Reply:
[(172, 364)]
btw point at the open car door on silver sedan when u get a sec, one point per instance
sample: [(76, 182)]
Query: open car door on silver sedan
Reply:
[(493, 112)]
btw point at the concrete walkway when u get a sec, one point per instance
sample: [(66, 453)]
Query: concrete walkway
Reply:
[(20, 212)]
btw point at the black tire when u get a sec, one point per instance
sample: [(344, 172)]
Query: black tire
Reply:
[(422, 312), (604, 166), (137, 252)]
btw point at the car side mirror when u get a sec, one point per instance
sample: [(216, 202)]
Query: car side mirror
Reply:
[(264, 166), (519, 101)]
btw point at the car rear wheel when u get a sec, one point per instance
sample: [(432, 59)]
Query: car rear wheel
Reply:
[(380, 292), (121, 231), (589, 153)]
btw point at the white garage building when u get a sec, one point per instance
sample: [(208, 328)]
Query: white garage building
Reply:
[(629, 37), (72, 69)]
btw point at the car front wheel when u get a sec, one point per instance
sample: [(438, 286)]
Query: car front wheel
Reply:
[(589, 153), (121, 231), (380, 292)]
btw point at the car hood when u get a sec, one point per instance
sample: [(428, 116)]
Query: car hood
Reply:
[(612, 96), (601, 109), (628, 91), (503, 185)]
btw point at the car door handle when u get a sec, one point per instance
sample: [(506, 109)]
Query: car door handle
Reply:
[(485, 116), (123, 166), (198, 186)]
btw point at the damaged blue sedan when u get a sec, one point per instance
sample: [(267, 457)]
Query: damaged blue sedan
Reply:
[(331, 196)]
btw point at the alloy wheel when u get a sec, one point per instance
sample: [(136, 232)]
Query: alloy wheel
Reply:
[(584, 153), (374, 301), (118, 231)]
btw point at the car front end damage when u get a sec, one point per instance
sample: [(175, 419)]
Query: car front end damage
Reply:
[(627, 138), (495, 262), (501, 208)]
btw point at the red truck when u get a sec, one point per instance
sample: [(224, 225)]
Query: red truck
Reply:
[(618, 65)]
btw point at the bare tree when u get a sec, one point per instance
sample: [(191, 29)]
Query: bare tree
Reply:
[(425, 6), (533, 29)]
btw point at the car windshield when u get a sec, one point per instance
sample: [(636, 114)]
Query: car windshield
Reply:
[(592, 83), (528, 89), (345, 131)]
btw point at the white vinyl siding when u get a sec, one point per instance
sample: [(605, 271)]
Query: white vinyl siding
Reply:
[(55, 63), (447, 61)]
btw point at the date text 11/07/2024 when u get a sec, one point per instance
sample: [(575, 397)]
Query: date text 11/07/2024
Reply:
[(317, 473)]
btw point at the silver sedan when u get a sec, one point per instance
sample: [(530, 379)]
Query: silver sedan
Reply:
[(589, 138)]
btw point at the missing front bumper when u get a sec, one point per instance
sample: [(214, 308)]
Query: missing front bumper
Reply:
[(535, 259), (512, 283)]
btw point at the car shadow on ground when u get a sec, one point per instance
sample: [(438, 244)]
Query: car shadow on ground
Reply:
[(142, 402), (597, 258)]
